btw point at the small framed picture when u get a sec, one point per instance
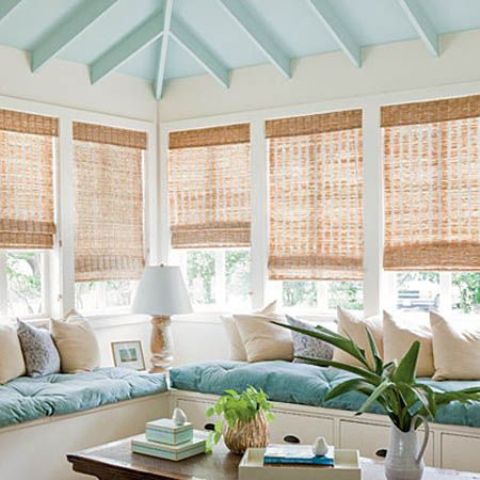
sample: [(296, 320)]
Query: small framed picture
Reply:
[(128, 354)]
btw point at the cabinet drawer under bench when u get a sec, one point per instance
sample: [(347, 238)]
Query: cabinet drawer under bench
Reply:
[(286, 428)]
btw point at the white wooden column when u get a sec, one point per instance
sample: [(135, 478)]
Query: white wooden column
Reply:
[(152, 200), (62, 267), (164, 225), (372, 209), (259, 232)]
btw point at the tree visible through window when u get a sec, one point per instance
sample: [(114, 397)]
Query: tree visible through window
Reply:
[(23, 276), (217, 276), (322, 295)]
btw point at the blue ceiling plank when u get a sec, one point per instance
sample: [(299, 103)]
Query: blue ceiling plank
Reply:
[(202, 54), (6, 6), (162, 58), (61, 36), (422, 25), (139, 38), (257, 32), (342, 36)]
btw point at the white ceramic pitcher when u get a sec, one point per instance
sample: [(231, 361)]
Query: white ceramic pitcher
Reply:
[(404, 460)]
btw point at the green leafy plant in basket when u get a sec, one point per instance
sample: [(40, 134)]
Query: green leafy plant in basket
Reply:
[(394, 386), (243, 421)]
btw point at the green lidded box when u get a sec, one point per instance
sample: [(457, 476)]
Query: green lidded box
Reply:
[(165, 431), (196, 446)]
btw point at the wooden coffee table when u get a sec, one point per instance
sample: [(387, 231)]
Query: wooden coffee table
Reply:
[(116, 461)]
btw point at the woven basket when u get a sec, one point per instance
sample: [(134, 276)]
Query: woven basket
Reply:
[(253, 434)]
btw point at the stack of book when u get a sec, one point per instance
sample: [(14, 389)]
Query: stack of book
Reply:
[(164, 439), (297, 455)]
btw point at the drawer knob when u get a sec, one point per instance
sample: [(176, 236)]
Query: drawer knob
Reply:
[(210, 427), (381, 452), (291, 439)]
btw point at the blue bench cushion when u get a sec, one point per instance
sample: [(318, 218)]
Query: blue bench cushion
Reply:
[(304, 384), (25, 398)]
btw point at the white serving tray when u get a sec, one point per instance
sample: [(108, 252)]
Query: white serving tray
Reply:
[(347, 467)]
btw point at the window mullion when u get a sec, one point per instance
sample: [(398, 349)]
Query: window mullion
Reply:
[(63, 297), (260, 213), (372, 209), (445, 291)]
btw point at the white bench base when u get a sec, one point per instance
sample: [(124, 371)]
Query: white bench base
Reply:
[(37, 449), (450, 446)]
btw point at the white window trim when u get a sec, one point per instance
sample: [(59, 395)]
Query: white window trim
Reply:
[(59, 281), (375, 280)]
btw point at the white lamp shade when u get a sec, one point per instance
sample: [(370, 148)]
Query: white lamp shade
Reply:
[(162, 292)]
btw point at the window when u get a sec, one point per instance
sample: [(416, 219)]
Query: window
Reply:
[(321, 296), (109, 211), (432, 185), (100, 296), (23, 279), (209, 182), (27, 211), (217, 278), (416, 291), (466, 292)]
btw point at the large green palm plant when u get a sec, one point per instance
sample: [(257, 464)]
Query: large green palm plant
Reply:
[(393, 385)]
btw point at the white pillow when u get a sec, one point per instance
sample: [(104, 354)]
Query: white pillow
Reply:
[(456, 348), (262, 339), (77, 344), (349, 325), (237, 349), (12, 364), (398, 337)]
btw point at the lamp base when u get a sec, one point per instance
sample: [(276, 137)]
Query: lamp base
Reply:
[(161, 344)]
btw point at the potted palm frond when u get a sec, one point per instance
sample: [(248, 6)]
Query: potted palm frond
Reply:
[(393, 385)]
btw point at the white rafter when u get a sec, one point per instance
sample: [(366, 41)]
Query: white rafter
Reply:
[(257, 32), (342, 36), (146, 33), (202, 54), (6, 6), (68, 29), (422, 25), (162, 57)]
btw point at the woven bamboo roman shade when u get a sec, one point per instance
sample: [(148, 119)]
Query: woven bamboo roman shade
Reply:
[(108, 202), (27, 218), (432, 185), (316, 181), (209, 183)]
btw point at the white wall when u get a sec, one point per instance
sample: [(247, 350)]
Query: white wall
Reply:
[(67, 84), (387, 68)]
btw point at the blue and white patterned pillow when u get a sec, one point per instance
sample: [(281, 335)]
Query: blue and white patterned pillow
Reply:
[(305, 346), (39, 351)]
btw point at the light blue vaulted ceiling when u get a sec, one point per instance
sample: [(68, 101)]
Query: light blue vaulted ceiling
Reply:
[(163, 39)]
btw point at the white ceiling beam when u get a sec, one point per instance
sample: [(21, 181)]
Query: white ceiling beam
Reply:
[(260, 36), (202, 54), (162, 57), (422, 25), (337, 30), (139, 38), (6, 6), (70, 28)]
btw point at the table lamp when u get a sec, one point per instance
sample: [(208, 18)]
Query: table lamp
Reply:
[(162, 293)]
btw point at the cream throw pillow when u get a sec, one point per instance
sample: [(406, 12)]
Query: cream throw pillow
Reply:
[(349, 325), (398, 337), (262, 339), (77, 344), (237, 349), (12, 364), (456, 348)]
